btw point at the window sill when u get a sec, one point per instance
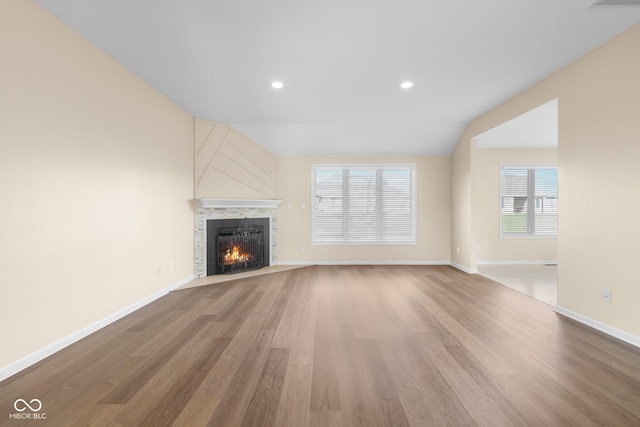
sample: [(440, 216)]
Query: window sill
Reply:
[(527, 237)]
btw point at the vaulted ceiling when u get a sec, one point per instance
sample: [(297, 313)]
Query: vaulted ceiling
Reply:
[(342, 62)]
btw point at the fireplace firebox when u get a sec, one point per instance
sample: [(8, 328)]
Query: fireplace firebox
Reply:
[(237, 245)]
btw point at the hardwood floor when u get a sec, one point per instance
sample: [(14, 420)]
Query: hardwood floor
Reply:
[(338, 346), (536, 280)]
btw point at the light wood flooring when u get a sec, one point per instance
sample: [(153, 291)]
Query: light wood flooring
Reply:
[(338, 346), (537, 280)]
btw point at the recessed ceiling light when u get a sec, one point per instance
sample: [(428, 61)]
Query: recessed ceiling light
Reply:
[(277, 85), (406, 85)]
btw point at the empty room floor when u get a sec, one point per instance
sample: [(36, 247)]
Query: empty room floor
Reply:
[(339, 346), (537, 281)]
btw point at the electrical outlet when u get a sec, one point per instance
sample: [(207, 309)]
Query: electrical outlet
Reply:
[(303, 248), (289, 205), (171, 266), (458, 250), (606, 296), (303, 205)]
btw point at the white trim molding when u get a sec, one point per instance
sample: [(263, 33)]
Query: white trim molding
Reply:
[(238, 203), (463, 268), (600, 326), (409, 262), (519, 262), (35, 357)]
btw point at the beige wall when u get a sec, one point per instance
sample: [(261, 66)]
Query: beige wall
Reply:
[(486, 207), (461, 206), (96, 169), (599, 179), (230, 165), (599, 100), (433, 211)]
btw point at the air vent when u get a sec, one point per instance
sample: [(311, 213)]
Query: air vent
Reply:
[(617, 3)]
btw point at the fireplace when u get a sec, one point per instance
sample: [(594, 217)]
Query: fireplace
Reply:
[(237, 245), (222, 209)]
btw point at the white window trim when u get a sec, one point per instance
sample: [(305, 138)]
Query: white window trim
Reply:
[(522, 236), (364, 166)]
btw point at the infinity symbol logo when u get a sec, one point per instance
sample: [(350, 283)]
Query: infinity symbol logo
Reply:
[(24, 405)]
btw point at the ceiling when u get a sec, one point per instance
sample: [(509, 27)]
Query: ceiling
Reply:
[(342, 62)]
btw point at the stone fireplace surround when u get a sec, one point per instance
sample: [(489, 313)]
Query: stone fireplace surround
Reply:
[(232, 209)]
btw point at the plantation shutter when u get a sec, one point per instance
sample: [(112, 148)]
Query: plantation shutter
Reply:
[(363, 204)]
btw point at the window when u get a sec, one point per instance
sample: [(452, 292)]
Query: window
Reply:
[(528, 201), (363, 204)]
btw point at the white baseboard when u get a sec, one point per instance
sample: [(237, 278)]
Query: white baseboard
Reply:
[(518, 262), (596, 324), (364, 262), (458, 266), (465, 269), (25, 362)]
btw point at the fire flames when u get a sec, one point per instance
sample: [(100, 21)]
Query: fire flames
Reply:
[(233, 256)]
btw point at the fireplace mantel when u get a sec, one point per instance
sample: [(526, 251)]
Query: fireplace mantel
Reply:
[(238, 203)]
